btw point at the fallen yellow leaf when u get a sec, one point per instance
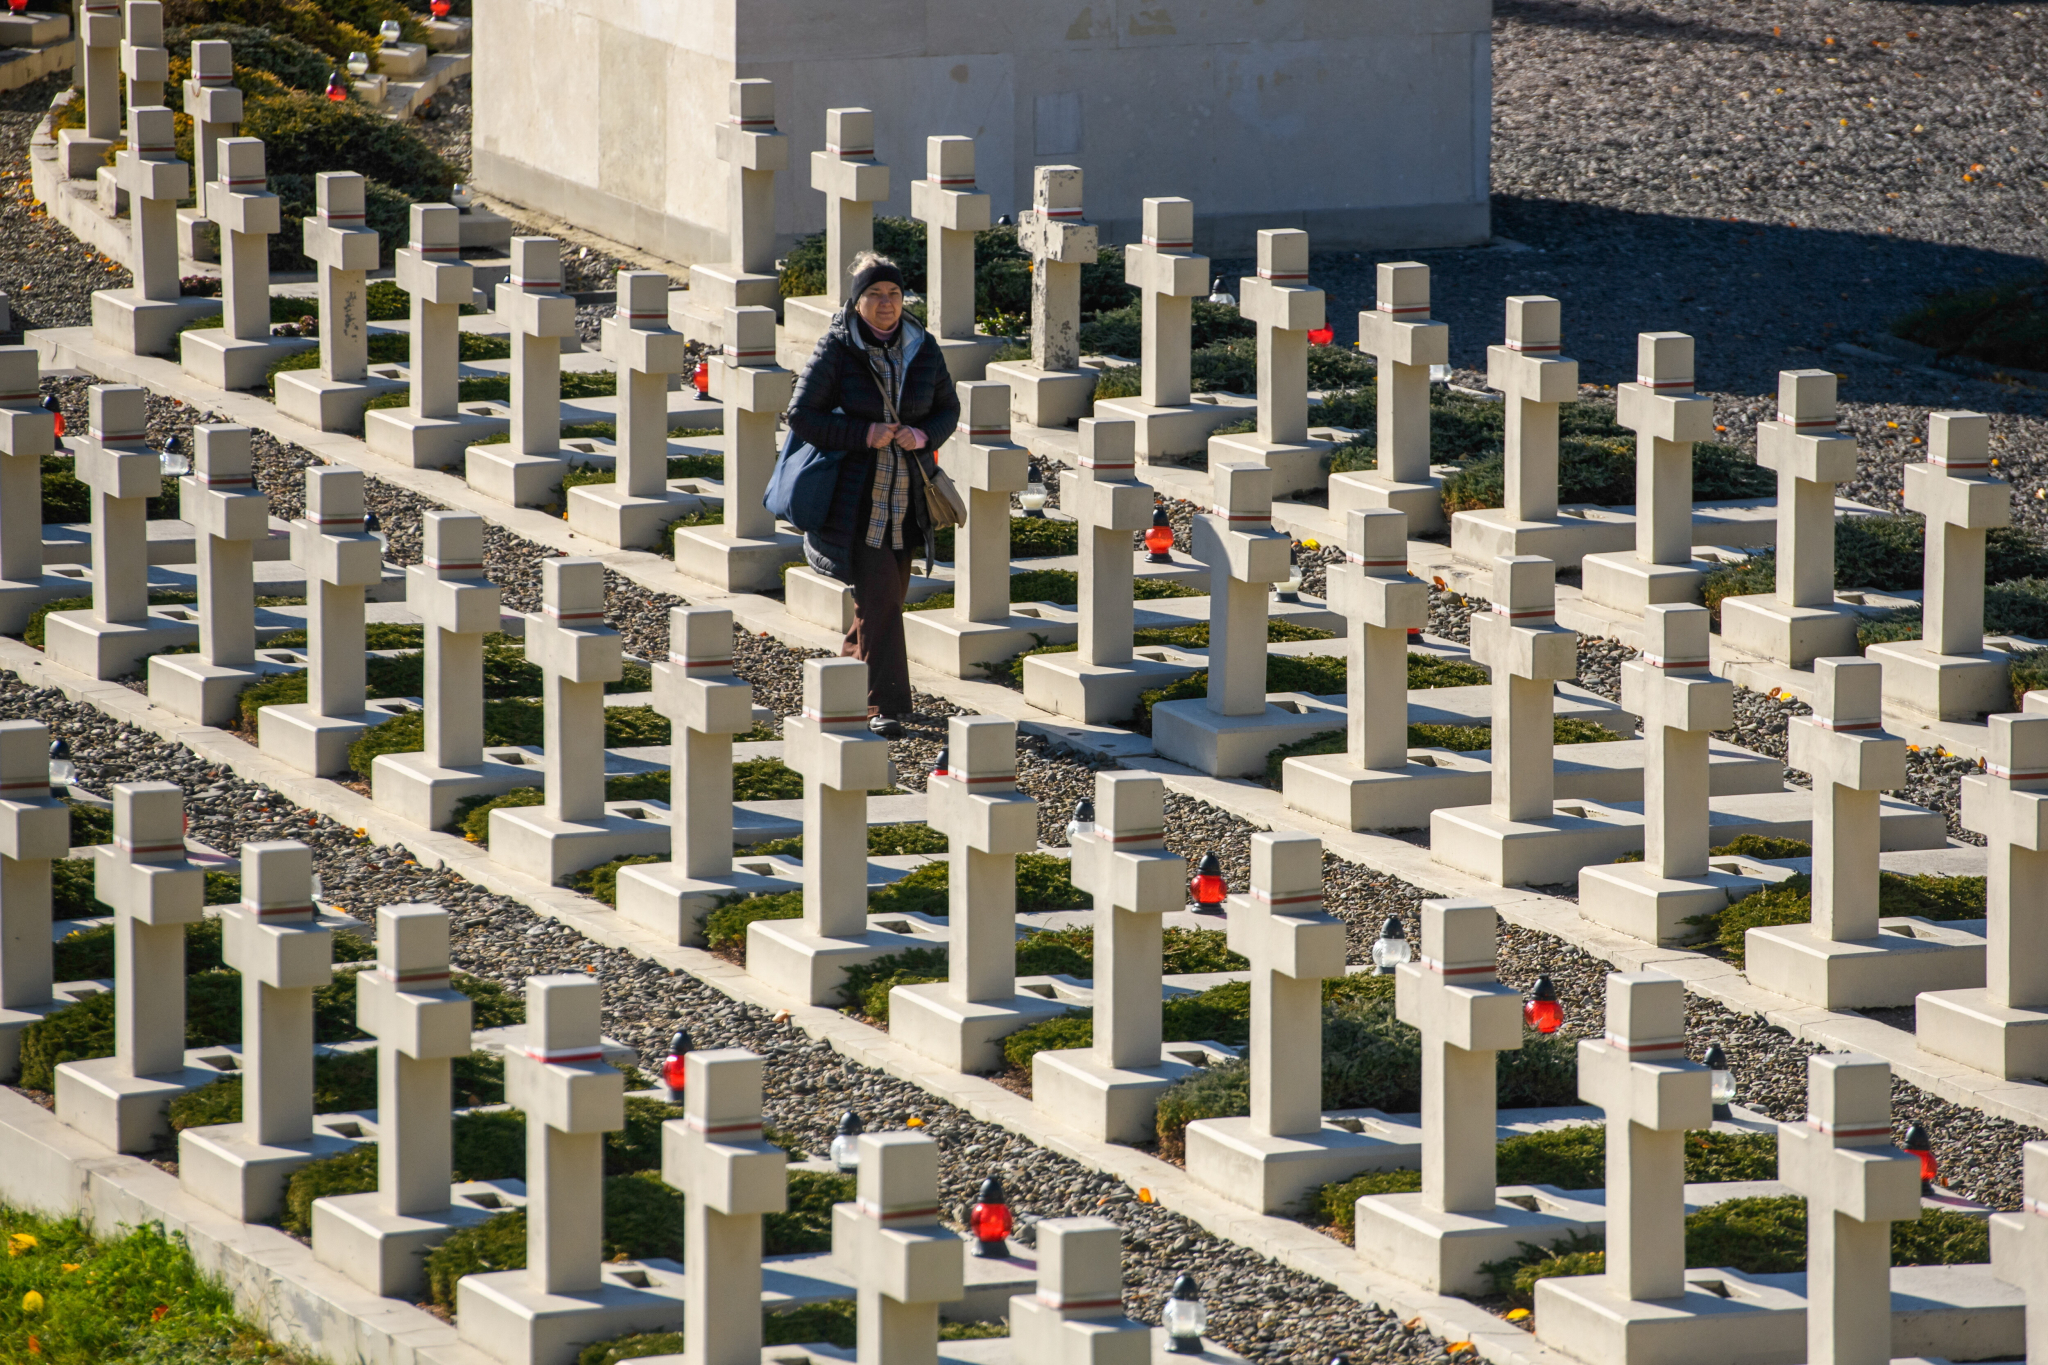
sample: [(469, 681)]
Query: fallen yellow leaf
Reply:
[(19, 1242), (1144, 1194), (1517, 1314), (70, 1266), (913, 1122)]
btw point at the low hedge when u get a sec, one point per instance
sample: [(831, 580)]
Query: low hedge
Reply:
[(342, 1082), (883, 841), (602, 882), (1927, 895), (642, 1218)]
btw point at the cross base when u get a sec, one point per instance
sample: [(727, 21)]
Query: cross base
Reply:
[(82, 154), (213, 357), (383, 1252), (502, 1315), (674, 906), (114, 649), (1235, 746), (242, 1178), (314, 744), (1631, 899), (1423, 502), (411, 787), (1627, 584), (963, 1035), (1482, 535), (427, 442), (521, 480), (1271, 1174), (1763, 626), (1095, 694), (330, 404), (1443, 1251), (1165, 432), (938, 639), (804, 321), (121, 1112), (736, 564), (1911, 955), (967, 358), (1740, 1317), (1330, 788), (1966, 1026), (1045, 398), (20, 598), (186, 685), (1964, 687), (125, 320), (812, 967), (1106, 1103), (1296, 466), (607, 512), (526, 839)]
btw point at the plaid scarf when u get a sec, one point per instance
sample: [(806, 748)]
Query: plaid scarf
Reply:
[(889, 495)]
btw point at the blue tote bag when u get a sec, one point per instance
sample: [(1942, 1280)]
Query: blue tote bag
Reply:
[(800, 488)]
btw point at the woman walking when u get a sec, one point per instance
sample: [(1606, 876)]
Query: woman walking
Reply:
[(876, 388)]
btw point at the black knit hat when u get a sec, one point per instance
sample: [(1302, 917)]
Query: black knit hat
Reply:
[(873, 273)]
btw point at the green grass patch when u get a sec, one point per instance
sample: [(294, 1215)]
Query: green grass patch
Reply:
[(1030, 538), (1925, 895)]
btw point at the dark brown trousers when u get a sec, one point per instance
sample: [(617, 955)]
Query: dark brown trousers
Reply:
[(880, 578)]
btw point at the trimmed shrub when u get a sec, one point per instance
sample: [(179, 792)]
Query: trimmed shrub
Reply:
[(2005, 324), (765, 779), (1926, 895), (1030, 538), (473, 814), (1057, 952), (725, 928), (642, 1217), (1433, 670), (806, 1224), (602, 882)]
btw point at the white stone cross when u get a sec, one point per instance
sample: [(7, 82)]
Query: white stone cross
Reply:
[(952, 210), (1245, 556), (903, 1261), (578, 654), (841, 761), (421, 1025), (1667, 417), (1104, 496), (716, 1156), (1954, 490), (81, 149), (343, 249), (706, 705), (430, 269), (1077, 1315), (1810, 456), (1125, 867), (1293, 944), (989, 466), (248, 214), (1681, 704), (853, 183), (1398, 333), (149, 169), (1637, 1073), (2008, 804), (572, 1098), (228, 515), (532, 304), (154, 891), (1374, 592), (33, 830), (1844, 746), (987, 823), (756, 391), (272, 939), (340, 560), (1453, 996), (1530, 369), (1285, 308), (1169, 277), (27, 433), (1059, 243), (123, 474), (1526, 651), (647, 351), (749, 143), (458, 606), (145, 61), (1857, 1184), (215, 105)]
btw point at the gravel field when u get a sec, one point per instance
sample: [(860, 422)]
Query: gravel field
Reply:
[(47, 274)]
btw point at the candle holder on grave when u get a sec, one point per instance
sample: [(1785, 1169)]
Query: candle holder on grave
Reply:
[(1051, 389), (853, 182), (754, 151), (1535, 377), (432, 430), (28, 431), (1162, 266), (953, 210), (1948, 674), (632, 510), (1285, 309), (343, 251), (1405, 344), (527, 471)]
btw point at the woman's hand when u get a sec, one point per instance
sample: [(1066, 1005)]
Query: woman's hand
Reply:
[(910, 438), (882, 434)]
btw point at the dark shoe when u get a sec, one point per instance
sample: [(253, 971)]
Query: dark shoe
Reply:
[(888, 727)]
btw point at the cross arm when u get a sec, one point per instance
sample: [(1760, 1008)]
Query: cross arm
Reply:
[(1308, 945), (1869, 1184), (120, 473), (2018, 817), (1665, 1097), (155, 893), (862, 181), (713, 706), (1690, 704), (425, 1024), (1536, 378), (1817, 459), (228, 513), (1394, 342), (1291, 308), (1257, 556), (751, 150), (1972, 504), (1176, 274), (1389, 603), (441, 282), (239, 211), (34, 829), (925, 1263), (731, 1175), (949, 210), (1859, 762), (1545, 652), (1666, 416), (1483, 1018), (465, 606)]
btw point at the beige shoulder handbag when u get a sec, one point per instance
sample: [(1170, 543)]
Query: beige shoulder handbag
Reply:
[(943, 504)]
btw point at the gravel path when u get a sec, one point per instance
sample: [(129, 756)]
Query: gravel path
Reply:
[(47, 274)]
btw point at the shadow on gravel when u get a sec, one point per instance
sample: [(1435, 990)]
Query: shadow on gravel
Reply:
[(1759, 297)]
